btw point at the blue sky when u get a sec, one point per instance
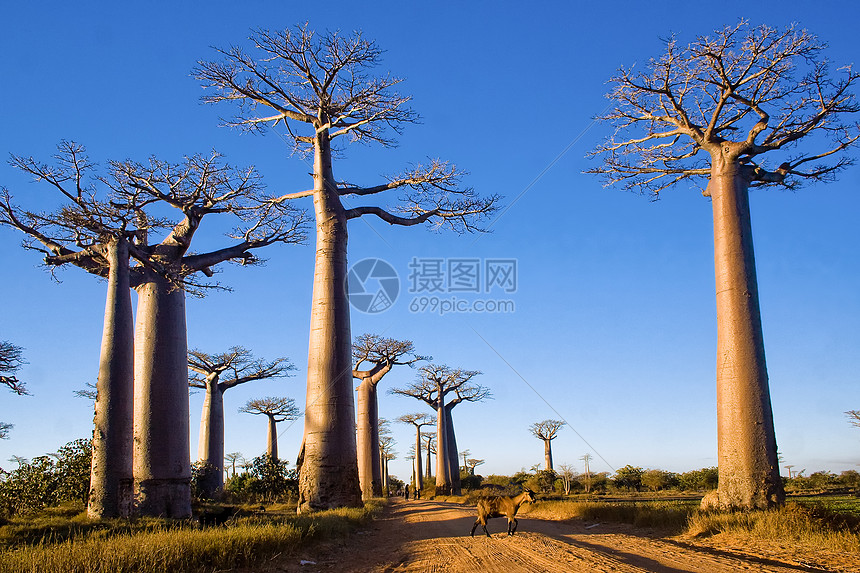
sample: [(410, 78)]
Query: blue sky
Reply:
[(614, 324)]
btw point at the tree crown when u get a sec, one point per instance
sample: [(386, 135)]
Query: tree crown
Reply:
[(733, 96)]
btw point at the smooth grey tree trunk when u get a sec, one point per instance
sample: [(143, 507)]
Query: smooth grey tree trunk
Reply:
[(748, 466), (547, 454), (162, 465), (111, 470), (210, 448), (328, 476), (369, 465), (272, 438)]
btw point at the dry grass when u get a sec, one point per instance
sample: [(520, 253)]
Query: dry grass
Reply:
[(157, 546), (670, 516), (811, 526)]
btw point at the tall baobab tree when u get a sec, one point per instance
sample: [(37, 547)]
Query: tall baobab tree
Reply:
[(96, 230), (547, 432), (11, 360), (322, 89), (430, 448), (717, 110), (276, 410), (434, 385), (374, 357), (216, 374), (419, 420), (100, 234)]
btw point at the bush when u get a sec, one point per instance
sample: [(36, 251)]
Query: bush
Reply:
[(267, 479), (48, 481)]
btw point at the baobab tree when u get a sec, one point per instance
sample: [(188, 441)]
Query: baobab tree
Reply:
[(386, 452), (434, 384), (322, 89), (418, 420), (374, 356), (231, 459), (472, 463), (717, 110), (276, 410), (11, 360), (465, 454), (96, 230), (216, 374), (546, 431), (586, 458), (430, 448), (108, 219)]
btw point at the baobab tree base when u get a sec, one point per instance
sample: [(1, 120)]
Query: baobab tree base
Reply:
[(748, 494), (163, 498), (319, 495)]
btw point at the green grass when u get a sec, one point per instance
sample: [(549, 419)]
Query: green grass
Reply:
[(48, 544)]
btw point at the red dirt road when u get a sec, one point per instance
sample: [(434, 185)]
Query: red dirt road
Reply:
[(434, 537)]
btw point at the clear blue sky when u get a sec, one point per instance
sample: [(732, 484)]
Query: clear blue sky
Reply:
[(614, 323)]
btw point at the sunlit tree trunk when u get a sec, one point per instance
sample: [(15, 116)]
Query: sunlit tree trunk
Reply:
[(272, 439), (748, 467), (443, 460), (328, 476), (419, 478), (162, 466), (111, 475), (210, 449), (547, 454), (369, 463)]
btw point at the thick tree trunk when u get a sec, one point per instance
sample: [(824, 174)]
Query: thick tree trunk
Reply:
[(162, 465), (210, 449), (272, 439), (748, 467), (369, 472), (443, 460), (111, 473), (328, 476), (453, 458), (419, 478), (547, 453)]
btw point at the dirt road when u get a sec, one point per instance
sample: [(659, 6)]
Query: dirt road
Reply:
[(434, 537)]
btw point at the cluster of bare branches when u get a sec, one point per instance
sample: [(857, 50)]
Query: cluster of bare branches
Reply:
[(125, 204), (322, 81), (747, 91), (239, 365)]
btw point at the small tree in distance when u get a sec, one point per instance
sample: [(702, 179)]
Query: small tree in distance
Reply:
[(276, 410), (715, 111), (546, 431), (215, 374)]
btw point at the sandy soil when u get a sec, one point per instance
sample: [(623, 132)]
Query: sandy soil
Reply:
[(432, 536)]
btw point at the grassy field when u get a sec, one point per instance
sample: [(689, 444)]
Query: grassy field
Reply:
[(58, 542)]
